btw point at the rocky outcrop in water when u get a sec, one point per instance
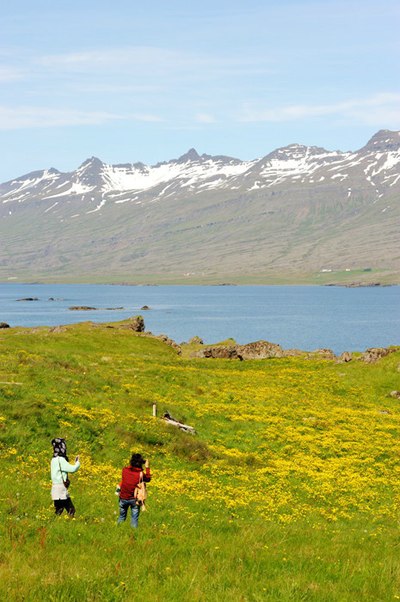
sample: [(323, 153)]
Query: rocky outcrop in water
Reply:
[(82, 308)]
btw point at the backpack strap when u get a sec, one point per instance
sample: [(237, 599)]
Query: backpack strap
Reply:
[(61, 472), (144, 490), (66, 480)]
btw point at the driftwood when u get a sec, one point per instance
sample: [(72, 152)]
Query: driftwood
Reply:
[(183, 427)]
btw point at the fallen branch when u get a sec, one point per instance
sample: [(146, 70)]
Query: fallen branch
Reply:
[(183, 427)]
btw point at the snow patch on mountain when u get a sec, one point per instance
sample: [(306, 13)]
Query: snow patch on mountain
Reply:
[(120, 179), (295, 162), (99, 206), (51, 207), (26, 184), (390, 160), (98, 183)]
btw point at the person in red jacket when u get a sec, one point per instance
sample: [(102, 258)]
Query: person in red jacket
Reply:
[(131, 476)]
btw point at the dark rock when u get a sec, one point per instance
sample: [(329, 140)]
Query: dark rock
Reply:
[(82, 308), (136, 323), (145, 308), (29, 299), (293, 353), (362, 284), (4, 325), (113, 308), (260, 350), (165, 339), (251, 351), (326, 354), (372, 355), (222, 352)]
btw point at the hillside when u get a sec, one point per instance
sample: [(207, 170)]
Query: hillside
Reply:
[(288, 491), (296, 214)]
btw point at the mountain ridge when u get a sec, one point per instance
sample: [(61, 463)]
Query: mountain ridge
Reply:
[(297, 210), (379, 138)]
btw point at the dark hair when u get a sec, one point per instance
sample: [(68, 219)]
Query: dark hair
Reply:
[(137, 461)]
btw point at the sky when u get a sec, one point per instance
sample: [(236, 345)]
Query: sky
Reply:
[(130, 81)]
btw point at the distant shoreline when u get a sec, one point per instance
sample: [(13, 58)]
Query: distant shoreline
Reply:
[(217, 284)]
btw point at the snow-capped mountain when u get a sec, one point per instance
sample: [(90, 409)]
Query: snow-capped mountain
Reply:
[(121, 183), (298, 196), (377, 164)]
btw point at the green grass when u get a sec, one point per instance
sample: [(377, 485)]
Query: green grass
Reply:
[(382, 276), (290, 489)]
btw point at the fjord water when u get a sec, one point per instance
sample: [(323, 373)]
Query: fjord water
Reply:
[(303, 317)]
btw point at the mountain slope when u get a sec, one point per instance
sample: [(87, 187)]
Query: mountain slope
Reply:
[(295, 212)]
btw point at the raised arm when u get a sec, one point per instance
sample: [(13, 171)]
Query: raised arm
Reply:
[(147, 474), (67, 467)]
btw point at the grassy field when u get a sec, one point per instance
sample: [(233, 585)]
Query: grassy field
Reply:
[(290, 490), (357, 276)]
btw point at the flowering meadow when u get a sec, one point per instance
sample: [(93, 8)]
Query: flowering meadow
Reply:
[(289, 490)]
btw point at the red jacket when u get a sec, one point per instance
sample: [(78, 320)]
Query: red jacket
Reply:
[(130, 478)]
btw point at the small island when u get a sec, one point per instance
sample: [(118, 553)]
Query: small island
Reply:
[(89, 308), (82, 308)]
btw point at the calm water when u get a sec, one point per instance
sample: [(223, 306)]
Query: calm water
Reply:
[(306, 317)]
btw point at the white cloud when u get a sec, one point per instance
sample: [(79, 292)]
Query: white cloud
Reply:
[(204, 118), (10, 74), (114, 58), (146, 117), (150, 60), (102, 87), (12, 118), (32, 117), (377, 109)]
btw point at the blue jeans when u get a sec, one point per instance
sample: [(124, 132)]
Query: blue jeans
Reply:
[(123, 510)]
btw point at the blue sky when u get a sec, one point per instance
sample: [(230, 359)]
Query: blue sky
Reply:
[(142, 81)]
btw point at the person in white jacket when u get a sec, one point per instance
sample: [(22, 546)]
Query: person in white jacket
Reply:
[(60, 468)]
